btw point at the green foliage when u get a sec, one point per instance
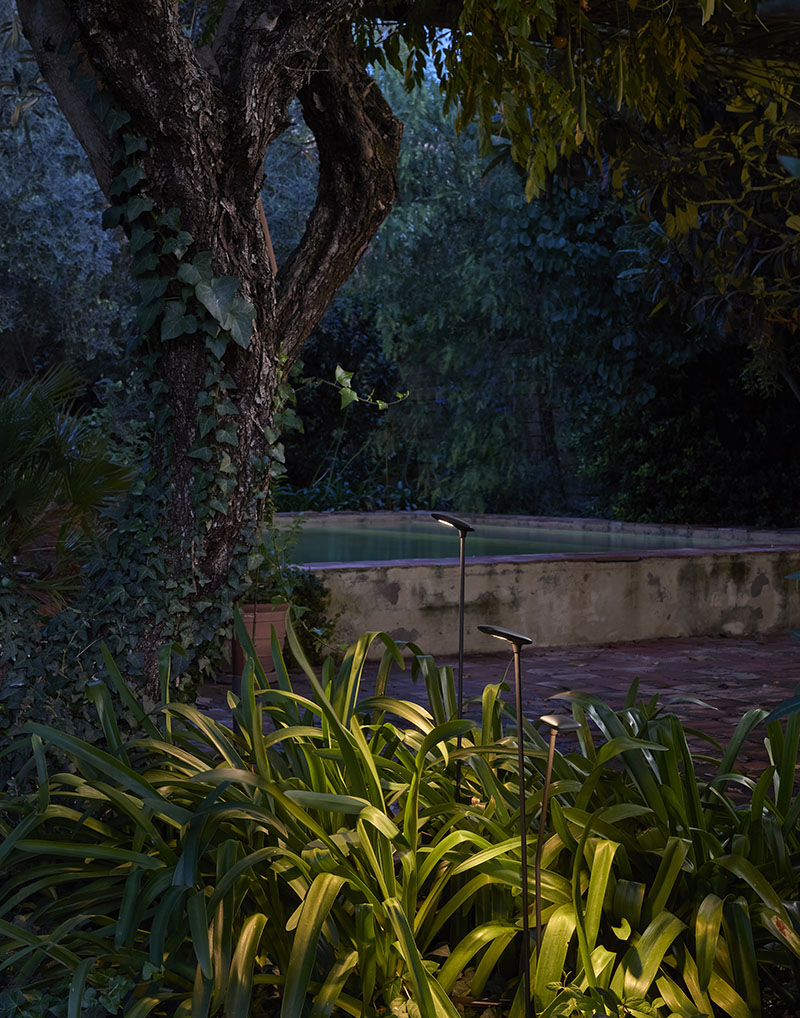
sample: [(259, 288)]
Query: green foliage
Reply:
[(539, 355), (690, 110), (729, 250), (326, 862), (535, 317), (339, 458), (700, 451), (273, 579), (58, 487), (63, 294), (143, 583)]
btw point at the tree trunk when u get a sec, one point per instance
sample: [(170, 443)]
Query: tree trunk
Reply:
[(207, 118)]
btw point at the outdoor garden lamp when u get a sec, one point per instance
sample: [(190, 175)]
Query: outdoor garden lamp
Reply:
[(453, 521), (517, 641), (463, 529), (556, 723)]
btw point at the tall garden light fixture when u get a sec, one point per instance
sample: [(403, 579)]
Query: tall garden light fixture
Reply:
[(517, 641), (556, 723), (463, 529)]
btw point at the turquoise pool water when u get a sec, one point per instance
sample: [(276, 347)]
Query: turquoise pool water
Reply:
[(386, 540)]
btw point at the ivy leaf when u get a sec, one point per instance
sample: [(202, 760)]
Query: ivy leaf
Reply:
[(202, 262), (177, 245), (348, 397), (140, 237), (101, 103), (189, 273), (152, 288), (171, 218), (239, 321), (112, 216), (216, 296), (146, 314), (343, 377), (200, 452), (131, 176), (136, 206), (217, 344), (133, 143), (175, 323), (117, 186), (115, 119), (793, 222), (205, 424), (144, 263), (227, 436)]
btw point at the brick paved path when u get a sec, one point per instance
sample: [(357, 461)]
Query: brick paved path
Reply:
[(730, 675)]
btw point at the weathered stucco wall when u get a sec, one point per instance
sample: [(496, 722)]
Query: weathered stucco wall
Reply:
[(570, 599)]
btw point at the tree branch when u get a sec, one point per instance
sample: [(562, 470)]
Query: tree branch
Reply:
[(49, 29), (358, 140), (265, 54)]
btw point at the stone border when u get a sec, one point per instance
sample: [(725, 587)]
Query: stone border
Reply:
[(575, 598)]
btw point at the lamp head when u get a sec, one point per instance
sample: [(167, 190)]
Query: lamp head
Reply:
[(516, 639), (560, 722), (453, 521)]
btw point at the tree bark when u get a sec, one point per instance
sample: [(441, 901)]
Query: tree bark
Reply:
[(207, 119)]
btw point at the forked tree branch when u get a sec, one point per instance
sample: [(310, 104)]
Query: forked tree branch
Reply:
[(358, 139), (51, 32)]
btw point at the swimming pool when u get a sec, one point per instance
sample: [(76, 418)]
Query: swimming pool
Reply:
[(383, 537), (610, 582)]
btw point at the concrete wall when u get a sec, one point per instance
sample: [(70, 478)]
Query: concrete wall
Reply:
[(570, 599)]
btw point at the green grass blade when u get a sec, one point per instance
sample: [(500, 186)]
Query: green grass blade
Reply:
[(726, 997), (782, 929), (419, 975), (37, 746), (788, 763), (85, 850), (468, 947), (143, 1007), (706, 931), (316, 906), (169, 908), (123, 692), (641, 963), (599, 886), (672, 861), (558, 933), (240, 982), (739, 937), (109, 767), (76, 988), (128, 909), (328, 994), (198, 929), (743, 729), (744, 869)]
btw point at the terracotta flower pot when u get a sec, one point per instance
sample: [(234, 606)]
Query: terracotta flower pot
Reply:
[(259, 620)]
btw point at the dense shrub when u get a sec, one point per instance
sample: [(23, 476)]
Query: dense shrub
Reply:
[(702, 450), (330, 859)]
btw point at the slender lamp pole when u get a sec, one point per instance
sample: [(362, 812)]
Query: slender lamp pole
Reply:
[(556, 723), (517, 641), (463, 529)]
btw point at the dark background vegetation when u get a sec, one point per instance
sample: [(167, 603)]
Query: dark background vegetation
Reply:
[(539, 377)]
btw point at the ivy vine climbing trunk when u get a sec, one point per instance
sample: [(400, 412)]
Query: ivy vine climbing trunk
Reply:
[(168, 126)]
